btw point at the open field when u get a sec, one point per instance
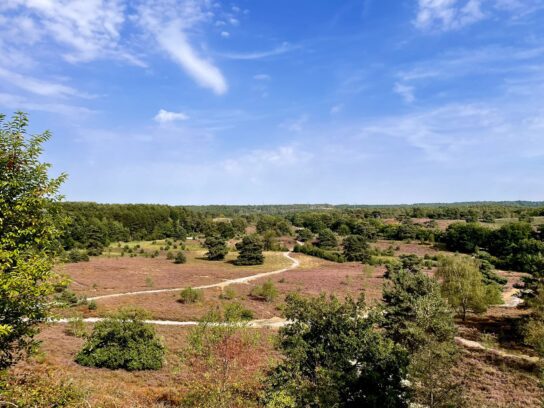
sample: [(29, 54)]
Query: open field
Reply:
[(104, 275)]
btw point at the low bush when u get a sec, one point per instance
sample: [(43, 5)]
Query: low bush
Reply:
[(235, 312), (180, 258), (76, 327), (40, 389), (227, 294), (190, 295), (267, 291), (76, 255), (311, 250), (92, 305), (125, 341)]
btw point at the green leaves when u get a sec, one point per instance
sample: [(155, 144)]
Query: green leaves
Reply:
[(30, 224)]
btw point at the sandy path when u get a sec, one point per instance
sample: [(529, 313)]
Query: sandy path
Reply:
[(246, 279)]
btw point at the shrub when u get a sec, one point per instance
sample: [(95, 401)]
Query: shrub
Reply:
[(75, 256), (92, 305), (311, 250), (123, 340), (227, 294), (76, 327), (190, 295), (180, 258), (39, 388), (267, 291), (235, 312), (170, 255)]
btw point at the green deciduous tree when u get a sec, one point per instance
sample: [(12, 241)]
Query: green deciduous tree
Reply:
[(30, 226), (335, 357), (250, 251), (463, 285)]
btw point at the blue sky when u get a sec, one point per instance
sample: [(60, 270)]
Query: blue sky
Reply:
[(306, 101)]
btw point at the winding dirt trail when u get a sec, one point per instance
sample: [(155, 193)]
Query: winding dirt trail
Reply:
[(295, 264)]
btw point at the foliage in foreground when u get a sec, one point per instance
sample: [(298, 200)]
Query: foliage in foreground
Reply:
[(416, 316), (44, 389), (29, 227), (220, 349), (123, 340), (334, 356)]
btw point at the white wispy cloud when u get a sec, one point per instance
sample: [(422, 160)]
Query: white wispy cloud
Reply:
[(168, 22), (448, 14), (164, 116), (86, 29), (406, 91), (225, 34), (18, 102), (262, 77), (282, 49), (82, 31), (37, 86)]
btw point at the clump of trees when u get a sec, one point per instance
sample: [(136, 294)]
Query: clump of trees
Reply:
[(515, 245), (30, 225), (356, 248), (250, 251), (217, 248), (123, 340)]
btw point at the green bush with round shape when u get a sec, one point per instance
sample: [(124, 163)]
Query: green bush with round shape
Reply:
[(125, 341)]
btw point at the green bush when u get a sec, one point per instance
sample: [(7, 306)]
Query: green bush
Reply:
[(76, 327), (75, 256), (190, 295), (92, 305), (123, 340), (227, 294), (39, 389), (180, 258), (267, 291), (311, 250), (235, 312)]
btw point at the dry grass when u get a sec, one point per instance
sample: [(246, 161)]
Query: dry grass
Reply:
[(104, 275), (119, 388)]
